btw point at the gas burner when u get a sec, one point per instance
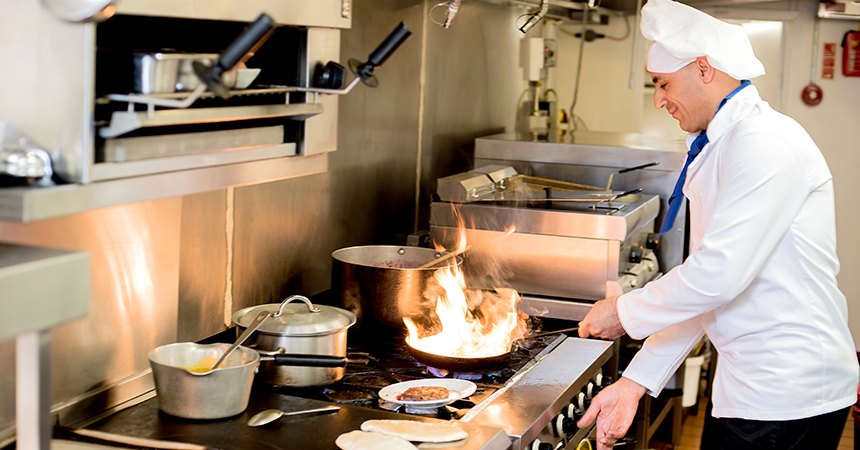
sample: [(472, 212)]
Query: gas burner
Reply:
[(397, 407), (438, 373), (454, 411), (484, 376), (350, 397), (421, 411)]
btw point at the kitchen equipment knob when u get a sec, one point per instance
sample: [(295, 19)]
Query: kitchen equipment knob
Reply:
[(568, 425), (580, 402), (598, 383), (558, 425), (589, 390), (571, 410), (652, 241), (634, 282), (635, 255), (330, 77)]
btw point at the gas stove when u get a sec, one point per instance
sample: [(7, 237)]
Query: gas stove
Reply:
[(378, 361), (529, 404), (535, 398)]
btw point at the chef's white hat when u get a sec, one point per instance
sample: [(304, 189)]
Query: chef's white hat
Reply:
[(680, 34)]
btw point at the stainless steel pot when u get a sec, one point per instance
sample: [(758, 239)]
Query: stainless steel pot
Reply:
[(383, 284), (216, 394), (298, 328)]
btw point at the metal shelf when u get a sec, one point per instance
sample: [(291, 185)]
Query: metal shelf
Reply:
[(26, 204), (125, 121)]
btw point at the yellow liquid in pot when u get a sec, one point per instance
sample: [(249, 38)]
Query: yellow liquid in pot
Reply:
[(204, 365)]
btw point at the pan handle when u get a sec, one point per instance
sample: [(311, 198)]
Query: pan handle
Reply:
[(306, 360)]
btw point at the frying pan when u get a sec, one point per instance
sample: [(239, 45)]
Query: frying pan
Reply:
[(459, 363), (467, 364)]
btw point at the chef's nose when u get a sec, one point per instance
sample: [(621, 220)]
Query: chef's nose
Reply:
[(659, 99)]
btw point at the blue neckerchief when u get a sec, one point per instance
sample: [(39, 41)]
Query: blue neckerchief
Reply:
[(699, 143)]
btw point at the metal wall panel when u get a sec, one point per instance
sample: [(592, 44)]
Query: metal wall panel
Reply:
[(473, 82), (286, 231), (134, 254), (202, 265)]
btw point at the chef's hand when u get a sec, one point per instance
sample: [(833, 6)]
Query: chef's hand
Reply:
[(614, 408), (602, 321)]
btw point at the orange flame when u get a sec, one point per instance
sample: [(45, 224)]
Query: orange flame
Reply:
[(474, 323)]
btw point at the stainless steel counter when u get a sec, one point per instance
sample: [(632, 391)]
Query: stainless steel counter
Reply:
[(306, 433), (528, 409)]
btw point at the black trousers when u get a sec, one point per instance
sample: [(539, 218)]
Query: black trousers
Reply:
[(819, 432)]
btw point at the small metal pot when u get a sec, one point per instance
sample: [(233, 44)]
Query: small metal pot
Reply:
[(382, 284), (297, 328), (216, 394)]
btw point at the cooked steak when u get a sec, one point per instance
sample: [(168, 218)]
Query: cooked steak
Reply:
[(421, 393)]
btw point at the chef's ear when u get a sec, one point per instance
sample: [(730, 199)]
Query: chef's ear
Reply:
[(704, 69)]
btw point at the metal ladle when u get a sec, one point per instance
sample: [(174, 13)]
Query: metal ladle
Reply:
[(259, 321), (244, 336), (270, 415)]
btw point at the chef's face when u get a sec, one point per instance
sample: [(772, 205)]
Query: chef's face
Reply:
[(683, 95)]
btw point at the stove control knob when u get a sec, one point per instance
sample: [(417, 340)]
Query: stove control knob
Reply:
[(635, 255), (582, 402), (571, 409), (589, 391), (568, 425), (538, 445), (652, 241), (564, 425)]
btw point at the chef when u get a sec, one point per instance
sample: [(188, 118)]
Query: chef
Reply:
[(760, 280)]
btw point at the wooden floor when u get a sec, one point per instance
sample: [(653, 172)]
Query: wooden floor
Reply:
[(691, 432)]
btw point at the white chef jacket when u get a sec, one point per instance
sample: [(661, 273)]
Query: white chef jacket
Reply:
[(761, 276)]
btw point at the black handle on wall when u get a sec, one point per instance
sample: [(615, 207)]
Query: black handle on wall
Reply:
[(254, 36), (387, 47)]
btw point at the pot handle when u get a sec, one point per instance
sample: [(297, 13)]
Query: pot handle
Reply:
[(306, 360), (311, 307)]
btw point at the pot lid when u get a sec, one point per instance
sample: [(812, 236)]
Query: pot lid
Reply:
[(296, 319)]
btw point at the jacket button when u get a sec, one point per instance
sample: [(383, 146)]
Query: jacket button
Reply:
[(736, 355)]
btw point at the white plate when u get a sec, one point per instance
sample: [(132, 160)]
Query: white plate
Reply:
[(458, 389)]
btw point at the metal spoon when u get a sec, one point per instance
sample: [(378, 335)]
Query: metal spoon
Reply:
[(269, 415)]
